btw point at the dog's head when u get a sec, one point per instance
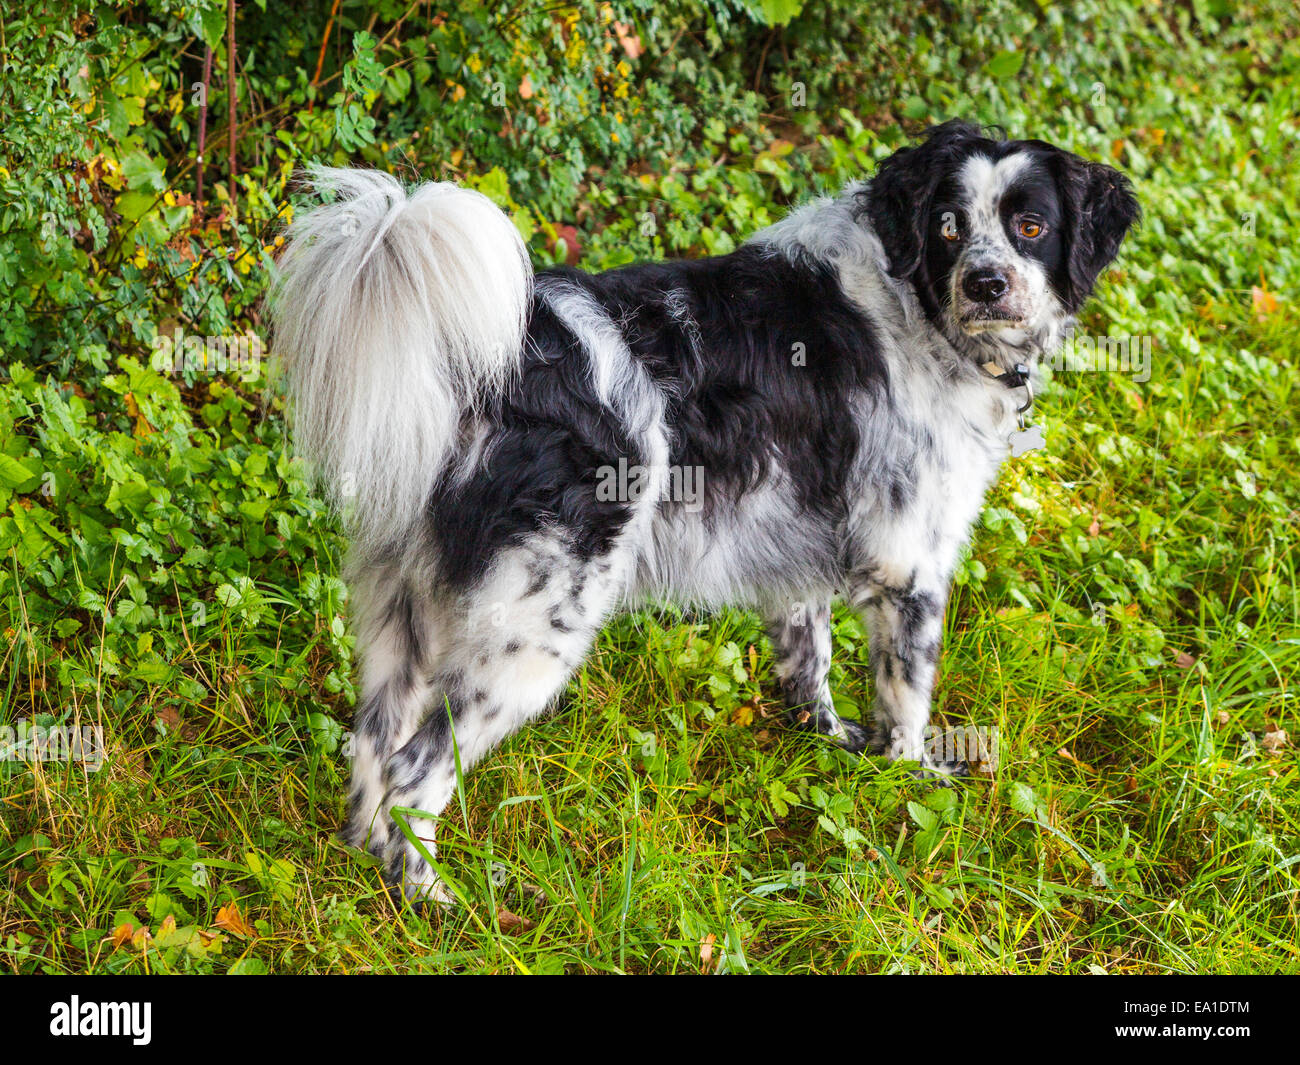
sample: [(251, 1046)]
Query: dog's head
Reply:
[(997, 235)]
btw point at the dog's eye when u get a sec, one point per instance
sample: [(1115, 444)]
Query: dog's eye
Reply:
[(1030, 229)]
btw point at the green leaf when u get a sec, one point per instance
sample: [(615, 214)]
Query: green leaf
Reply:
[(212, 26), (1005, 64), (915, 108), (925, 818), (775, 12), (143, 173), (18, 475), (1023, 799)]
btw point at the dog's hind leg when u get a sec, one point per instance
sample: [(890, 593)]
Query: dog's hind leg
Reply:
[(523, 631), (801, 646), (394, 640)]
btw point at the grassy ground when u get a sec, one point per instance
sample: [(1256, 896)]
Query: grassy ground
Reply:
[(1127, 620)]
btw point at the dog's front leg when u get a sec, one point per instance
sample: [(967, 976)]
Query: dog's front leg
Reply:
[(904, 629), (801, 645)]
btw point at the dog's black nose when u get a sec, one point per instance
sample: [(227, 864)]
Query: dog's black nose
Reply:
[(984, 286)]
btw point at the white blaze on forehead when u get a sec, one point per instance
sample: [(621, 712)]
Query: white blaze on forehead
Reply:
[(985, 182)]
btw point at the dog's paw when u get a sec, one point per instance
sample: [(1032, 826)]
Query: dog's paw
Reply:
[(411, 877), (855, 738), (941, 772), (425, 898), (877, 742)]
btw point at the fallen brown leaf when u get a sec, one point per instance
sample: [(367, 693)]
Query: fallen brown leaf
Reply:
[(229, 918), (572, 245), (511, 922), (122, 935), (1069, 757), (1274, 741), (1264, 302), (706, 952), (629, 39)]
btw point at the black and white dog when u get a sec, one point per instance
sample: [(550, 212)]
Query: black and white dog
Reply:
[(843, 386)]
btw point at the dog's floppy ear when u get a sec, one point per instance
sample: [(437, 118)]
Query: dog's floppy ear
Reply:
[(1100, 207), (900, 196)]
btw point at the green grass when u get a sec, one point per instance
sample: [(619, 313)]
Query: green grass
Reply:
[(1128, 619)]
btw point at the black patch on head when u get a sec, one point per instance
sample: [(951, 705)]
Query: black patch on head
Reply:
[(1034, 196), (1098, 207), (903, 203)]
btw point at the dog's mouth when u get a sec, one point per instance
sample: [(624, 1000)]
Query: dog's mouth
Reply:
[(987, 319)]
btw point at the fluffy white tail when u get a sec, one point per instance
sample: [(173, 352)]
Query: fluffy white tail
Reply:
[(395, 313)]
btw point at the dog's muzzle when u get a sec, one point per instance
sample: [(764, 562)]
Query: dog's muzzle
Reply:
[(989, 297)]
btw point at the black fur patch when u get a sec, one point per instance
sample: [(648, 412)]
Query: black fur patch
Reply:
[(756, 362), (551, 435)]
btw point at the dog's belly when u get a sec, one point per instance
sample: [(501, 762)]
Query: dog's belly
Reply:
[(755, 550)]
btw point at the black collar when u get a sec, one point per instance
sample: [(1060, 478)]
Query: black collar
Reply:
[(1016, 377)]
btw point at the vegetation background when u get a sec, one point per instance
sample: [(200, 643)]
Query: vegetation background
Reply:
[(1127, 618)]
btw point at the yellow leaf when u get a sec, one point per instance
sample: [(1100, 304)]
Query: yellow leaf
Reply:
[(229, 918), (1264, 302), (142, 426), (122, 935)]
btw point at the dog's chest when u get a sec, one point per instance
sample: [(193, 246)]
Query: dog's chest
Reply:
[(926, 467)]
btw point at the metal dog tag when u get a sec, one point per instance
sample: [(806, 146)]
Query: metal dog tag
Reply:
[(1028, 439)]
